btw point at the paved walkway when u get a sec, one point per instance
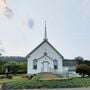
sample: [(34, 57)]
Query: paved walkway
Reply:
[(3, 86), (62, 89), (0, 86)]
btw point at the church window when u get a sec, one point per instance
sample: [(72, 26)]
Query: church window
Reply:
[(55, 62), (35, 64), (45, 53)]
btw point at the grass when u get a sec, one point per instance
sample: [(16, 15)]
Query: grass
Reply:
[(15, 78), (18, 82)]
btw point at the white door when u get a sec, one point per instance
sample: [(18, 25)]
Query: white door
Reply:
[(45, 66)]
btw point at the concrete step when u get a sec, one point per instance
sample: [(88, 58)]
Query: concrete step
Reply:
[(48, 75)]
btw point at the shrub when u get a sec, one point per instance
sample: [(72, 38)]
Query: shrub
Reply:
[(2, 76), (28, 76), (10, 76), (34, 83)]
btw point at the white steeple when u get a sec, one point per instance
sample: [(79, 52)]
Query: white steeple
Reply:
[(45, 33)]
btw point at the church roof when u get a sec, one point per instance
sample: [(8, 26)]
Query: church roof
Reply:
[(40, 45)]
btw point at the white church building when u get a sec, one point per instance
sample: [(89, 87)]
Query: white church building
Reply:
[(45, 58)]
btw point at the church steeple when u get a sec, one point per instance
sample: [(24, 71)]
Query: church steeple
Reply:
[(45, 33)]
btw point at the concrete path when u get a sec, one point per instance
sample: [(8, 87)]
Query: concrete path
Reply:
[(62, 89), (3, 87)]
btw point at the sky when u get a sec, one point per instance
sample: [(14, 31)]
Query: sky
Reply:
[(68, 27)]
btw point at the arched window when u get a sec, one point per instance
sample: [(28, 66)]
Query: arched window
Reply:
[(55, 63), (35, 64)]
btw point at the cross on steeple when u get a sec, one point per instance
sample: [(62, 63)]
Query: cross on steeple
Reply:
[(45, 33)]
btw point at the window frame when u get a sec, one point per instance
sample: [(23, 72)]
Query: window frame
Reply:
[(55, 64), (35, 64)]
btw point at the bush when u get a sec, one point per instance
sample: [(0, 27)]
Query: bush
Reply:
[(34, 83), (4, 76), (28, 76), (10, 77)]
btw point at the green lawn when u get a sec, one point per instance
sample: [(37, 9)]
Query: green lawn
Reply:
[(15, 78), (18, 82)]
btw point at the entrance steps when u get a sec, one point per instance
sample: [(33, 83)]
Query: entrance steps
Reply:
[(48, 76)]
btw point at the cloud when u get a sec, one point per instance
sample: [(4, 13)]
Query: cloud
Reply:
[(30, 23), (85, 8), (5, 10)]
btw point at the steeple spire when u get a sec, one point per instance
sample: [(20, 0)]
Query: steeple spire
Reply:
[(45, 33)]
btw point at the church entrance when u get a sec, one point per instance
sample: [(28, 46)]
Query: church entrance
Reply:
[(45, 66)]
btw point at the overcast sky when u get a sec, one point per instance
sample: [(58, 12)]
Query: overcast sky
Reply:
[(68, 27)]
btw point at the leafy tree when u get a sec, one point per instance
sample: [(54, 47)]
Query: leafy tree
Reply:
[(83, 69), (11, 66), (22, 67), (79, 59), (86, 62), (15, 64), (1, 66), (15, 67)]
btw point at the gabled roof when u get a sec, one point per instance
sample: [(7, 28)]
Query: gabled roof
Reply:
[(40, 45)]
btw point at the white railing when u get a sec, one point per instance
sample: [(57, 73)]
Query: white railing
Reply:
[(54, 71)]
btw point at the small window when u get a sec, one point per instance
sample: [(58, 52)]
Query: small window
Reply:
[(45, 53), (55, 63), (35, 64)]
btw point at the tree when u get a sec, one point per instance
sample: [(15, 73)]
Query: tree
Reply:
[(83, 69), (79, 59), (0, 54), (11, 66), (1, 66), (86, 62), (22, 67)]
